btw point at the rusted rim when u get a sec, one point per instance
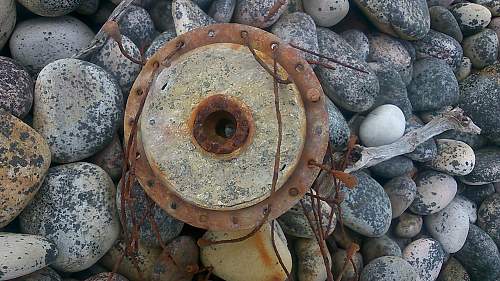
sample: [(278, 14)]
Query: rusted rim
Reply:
[(303, 176)]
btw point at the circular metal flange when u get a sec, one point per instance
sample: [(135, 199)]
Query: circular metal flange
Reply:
[(208, 132)]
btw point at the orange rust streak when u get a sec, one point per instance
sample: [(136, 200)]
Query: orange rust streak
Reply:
[(261, 249)]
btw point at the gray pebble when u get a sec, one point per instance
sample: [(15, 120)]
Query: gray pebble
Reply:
[(489, 217), (469, 206), (16, 88), (161, 14), (327, 13), (477, 193), (110, 159), (358, 41), (338, 129), (426, 256), (159, 42), (394, 167), (408, 225), (188, 16), (424, 151), (487, 169), (453, 271), (137, 25), (472, 140), (471, 17), (310, 261), (439, 45), (454, 157), (401, 192), (435, 191), (44, 274), (7, 20), (88, 7)]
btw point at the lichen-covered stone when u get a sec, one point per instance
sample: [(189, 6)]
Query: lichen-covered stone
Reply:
[(464, 69), (326, 13), (159, 42), (442, 20), (137, 25), (454, 157), (481, 48), (435, 191), (471, 17)]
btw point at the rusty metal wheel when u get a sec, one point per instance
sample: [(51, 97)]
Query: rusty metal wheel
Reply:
[(207, 132)]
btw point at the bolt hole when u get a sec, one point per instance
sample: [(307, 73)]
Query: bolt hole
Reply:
[(244, 34), (274, 46), (211, 33), (173, 205), (220, 125)]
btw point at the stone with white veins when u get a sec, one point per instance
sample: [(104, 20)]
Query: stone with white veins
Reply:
[(7, 20), (454, 157), (326, 13), (426, 256), (435, 190), (384, 125), (188, 16)]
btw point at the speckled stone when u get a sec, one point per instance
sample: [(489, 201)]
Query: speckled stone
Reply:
[(441, 46), (299, 29), (477, 193), (408, 20), (449, 226), (472, 140), (452, 270), (111, 59), (75, 208), (401, 191), (349, 89), (161, 14), (222, 10), (40, 41), (256, 253), (434, 85), (188, 16), (105, 276), (435, 190), (358, 41), (492, 5), (442, 20), (426, 256), (471, 17), (110, 159), (489, 217), (310, 263), (389, 268), (7, 20), (482, 48), (338, 260), (137, 25), (408, 225), (487, 169), (379, 247), (78, 108), (392, 53), (454, 157), (180, 254), (479, 256), (366, 209), (44, 274), (424, 151), (469, 206), (50, 8), (159, 42), (383, 125), (22, 254), (25, 159), (394, 167), (326, 13), (16, 88), (464, 69), (258, 13), (338, 129), (168, 227)]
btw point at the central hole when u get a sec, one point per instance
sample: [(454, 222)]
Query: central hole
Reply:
[(220, 125)]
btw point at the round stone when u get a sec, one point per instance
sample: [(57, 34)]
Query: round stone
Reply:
[(379, 247), (481, 48), (471, 17), (22, 254), (464, 69), (439, 45), (394, 167), (453, 271), (401, 191), (188, 16), (137, 25), (409, 225), (75, 208), (383, 125), (489, 217), (179, 255), (426, 256), (338, 129), (442, 20), (51, 8), (310, 261), (16, 88), (40, 41), (78, 108), (358, 41), (25, 159), (487, 169), (259, 13), (388, 268), (435, 191), (222, 10), (454, 157), (7, 20), (327, 13), (434, 85)]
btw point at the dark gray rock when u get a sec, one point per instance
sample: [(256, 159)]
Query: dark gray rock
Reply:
[(481, 48), (442, 20), (159, 42), (394, 167), (471, 17), (401, 192), (338, 261), (137, 25), (338, 129), (222, 10), (44, 274), (358, 41), (8, 16), (379, 247), (16, 88), (161, 14), (258, 13), (488, 217), (441, 46), (477, 193), (408, 225), (473, 140), (88, 7), (487, 169)]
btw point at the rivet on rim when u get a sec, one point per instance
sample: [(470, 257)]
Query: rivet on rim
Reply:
[(313, 95)]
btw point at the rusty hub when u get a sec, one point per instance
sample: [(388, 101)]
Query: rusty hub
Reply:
[(208, 131)]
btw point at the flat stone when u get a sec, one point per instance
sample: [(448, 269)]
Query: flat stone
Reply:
[(50, 8), (358, 41), (401, 191), (338, 260), (388, 268), (442, 20), (383, 125), (379, 247), (339, 131), (482, 48), (327, 13), (454, 157), (222, 10), (259, 13), (435, 191), (487, 169), (188, 16), (310, 263), (426, 256), (394, 167), (179, 255), (409, 225), (471, 17), (439, 45), (7, 20), (453, 271), (489, 217), (137, 25)]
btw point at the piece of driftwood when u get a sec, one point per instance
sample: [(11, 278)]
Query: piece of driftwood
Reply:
[(455, 119)]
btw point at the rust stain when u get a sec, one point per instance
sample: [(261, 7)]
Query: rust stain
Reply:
[(260, 245)]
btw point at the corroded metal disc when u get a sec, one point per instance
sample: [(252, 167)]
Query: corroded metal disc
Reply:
[(208, 130)]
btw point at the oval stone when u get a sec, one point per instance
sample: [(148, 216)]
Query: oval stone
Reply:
[(394, 167), (51, 8), (16, 88), (453, 271), (454, 157), (435, 191), (358, 41), (487, 169), (327, 13), (188, 16), (442, 20), (426, 256), (471, 17), (7, 20), (401, 191), (409, 225), (44, 274), (310, 263), (388, 268), (137, 25), (159, 42), (482, 48), (338, 129), (384, 125)]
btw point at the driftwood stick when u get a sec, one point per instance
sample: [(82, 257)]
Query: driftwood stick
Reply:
[(451, 120)]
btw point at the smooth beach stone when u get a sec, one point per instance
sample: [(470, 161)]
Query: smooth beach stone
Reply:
[(472, 140), (439, 45), (401, 191), (222, 10), (310, 263), (471, 17), (408, 20), (391, 52), (326, 13), (434, 85), (299, 29), (78, 108), (168, 227), (39, 41), (44, 274), (464, 69), (75, 208), (452, 270), (88, 7), (256, 253), (388, 268), (179, 255), (159, 42), (481, 48), (358, 41), (16, 88), (366, 209), (394, 167), (258, 13), (435, 190), (338, 129), (338, 261), (383, 125), (487, 169), (479, 256), (110, 159), (111, 59), (22, 254), (409, 225), (449, 226), (469, 206), (379, 247), (454, 157), (25, 159), (50, 8), (137, 25), (188, 16), (426, 256), (442, 20), (477, 193), (7, 20), (489, 217), (104, 276), (161, 14), (350, 89)]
